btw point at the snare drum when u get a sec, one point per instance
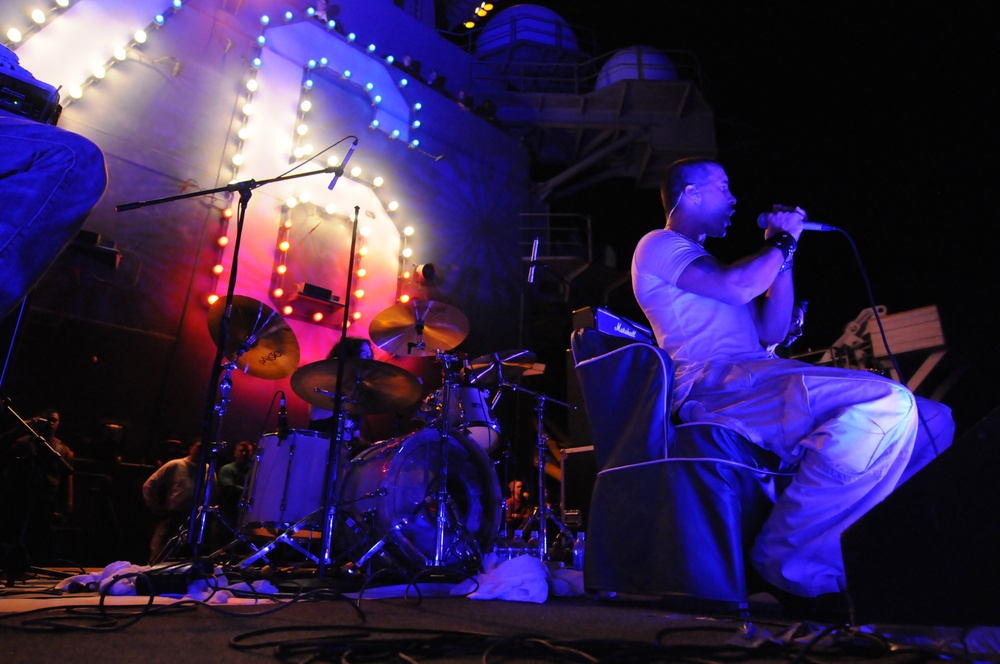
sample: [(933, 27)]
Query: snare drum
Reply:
[(389, 494), (286, 483)]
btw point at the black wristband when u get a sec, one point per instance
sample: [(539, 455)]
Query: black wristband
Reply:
[(784, 242)]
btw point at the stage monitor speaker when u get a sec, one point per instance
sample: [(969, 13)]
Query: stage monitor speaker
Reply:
[(929, 554)]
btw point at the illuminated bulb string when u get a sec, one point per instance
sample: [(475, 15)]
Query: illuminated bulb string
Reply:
[(119, 54)]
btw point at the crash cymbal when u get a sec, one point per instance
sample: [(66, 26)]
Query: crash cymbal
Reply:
[(419, 327), (369, 386), (511, 364), (259, 340)]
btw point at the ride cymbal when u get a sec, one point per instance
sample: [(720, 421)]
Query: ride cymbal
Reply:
[(259, 340), (419, 327), (508, 364), (369, 386)]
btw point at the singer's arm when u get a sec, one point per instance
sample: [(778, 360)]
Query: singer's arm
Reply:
[(772, 311), (755, 281)]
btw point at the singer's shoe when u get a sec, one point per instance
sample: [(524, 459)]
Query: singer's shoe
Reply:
[(825, 608)]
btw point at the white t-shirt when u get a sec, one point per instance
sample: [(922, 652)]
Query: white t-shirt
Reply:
[(695, 330)]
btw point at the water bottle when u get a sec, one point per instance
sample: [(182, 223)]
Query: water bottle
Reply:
[(579, 546), (532, 544), (517, 544)]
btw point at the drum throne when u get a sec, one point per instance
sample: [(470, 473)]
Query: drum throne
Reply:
[(675, 507)]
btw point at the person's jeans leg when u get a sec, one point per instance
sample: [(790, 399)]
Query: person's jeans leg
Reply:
[(50, 179)]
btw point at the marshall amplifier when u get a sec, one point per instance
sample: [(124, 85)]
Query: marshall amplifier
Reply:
[(604, 321)]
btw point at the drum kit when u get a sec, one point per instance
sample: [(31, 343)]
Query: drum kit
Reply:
[(430, 499)]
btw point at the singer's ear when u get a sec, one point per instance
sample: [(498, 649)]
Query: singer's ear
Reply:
[(693, 193)]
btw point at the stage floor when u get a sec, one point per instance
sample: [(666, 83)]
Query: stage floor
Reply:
[(425, 622)]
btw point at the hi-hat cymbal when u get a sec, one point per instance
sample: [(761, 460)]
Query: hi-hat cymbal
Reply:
[(508, 364), (369, 386), (419, 327), (259, 340)]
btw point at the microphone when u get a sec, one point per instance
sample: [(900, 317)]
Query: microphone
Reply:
[(347, 158), (806, 225), (534, 258), (282, 419)]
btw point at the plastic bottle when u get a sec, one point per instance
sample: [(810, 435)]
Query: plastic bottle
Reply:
[(579, 546), (517, 544)]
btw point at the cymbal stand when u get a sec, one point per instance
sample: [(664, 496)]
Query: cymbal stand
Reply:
[(544, 513), (443, 499), (203, 507)]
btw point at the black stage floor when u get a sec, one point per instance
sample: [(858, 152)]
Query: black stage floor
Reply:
[(423, 624)]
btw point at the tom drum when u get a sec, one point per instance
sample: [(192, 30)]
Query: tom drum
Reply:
[(286, 483)]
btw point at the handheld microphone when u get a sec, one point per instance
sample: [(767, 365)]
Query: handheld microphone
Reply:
[(534, 259), (806, 225), (282, 419), (347, 158)]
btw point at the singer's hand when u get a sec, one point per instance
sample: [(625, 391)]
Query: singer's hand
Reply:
[(785, 219)]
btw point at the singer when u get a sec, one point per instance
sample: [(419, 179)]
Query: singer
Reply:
[(850, 436), (50, 179)]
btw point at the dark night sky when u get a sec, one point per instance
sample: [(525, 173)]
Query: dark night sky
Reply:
[(878, 120)]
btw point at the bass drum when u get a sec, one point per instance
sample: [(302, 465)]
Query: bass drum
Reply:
[(389, 499)]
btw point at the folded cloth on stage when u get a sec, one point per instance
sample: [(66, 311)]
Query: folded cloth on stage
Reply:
[(521, 579)]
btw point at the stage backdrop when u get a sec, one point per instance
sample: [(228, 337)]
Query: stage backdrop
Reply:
[(188, 97)]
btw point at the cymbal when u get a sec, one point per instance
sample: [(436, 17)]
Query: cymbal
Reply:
[(510, 364), (419, 327), (259, 340), (369, 386)]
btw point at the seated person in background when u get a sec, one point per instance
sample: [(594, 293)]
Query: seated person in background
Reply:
[(232, 479), (519, 507), (50, 179), (851, 435)]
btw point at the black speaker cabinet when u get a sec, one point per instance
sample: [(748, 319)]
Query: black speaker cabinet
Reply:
[(579, 472), (929, 554)]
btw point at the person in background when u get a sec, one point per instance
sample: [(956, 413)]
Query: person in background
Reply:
[(169, 495), (232, 480)]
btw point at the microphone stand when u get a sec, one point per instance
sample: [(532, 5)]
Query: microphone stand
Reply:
[(202, 479), (333, 457)]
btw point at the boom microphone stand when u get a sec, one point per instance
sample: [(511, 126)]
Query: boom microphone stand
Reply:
[(245, 190)]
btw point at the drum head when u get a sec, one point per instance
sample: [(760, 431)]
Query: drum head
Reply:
[(392, 495)]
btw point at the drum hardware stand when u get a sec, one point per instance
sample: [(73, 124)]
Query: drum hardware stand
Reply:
[(286, 537), (182, 535), (544, 512), (435, 495), (245, 190), (443, 499)]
